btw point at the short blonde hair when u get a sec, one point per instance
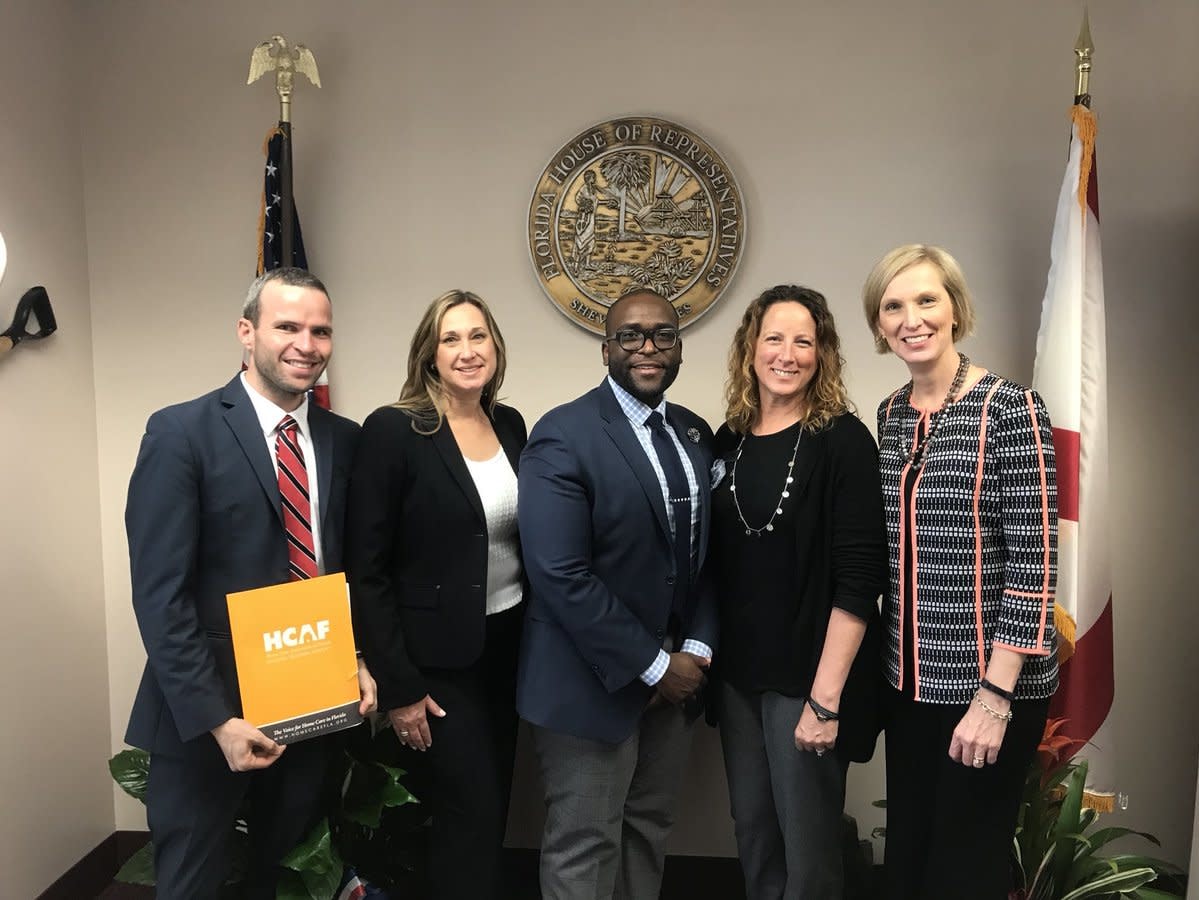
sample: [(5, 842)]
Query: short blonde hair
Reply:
[(900, 260), (422, 394)]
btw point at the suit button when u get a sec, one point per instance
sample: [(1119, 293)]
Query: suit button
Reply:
[(660, 633), (670, 579)]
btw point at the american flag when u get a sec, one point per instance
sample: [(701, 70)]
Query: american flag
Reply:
[(270, 241), (270, 249)]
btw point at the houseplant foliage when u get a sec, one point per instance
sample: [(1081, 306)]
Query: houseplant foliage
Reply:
[(376, 825), (1056, 850)]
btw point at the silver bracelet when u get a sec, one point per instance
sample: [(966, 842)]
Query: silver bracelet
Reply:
[(991, 711)]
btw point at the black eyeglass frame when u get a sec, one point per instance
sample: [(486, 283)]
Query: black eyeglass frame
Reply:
[(625, 336)]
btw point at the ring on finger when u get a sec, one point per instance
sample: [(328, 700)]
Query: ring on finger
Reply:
[(979, 762), (820, 752)]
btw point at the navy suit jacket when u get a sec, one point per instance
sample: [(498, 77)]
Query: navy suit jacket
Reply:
[(203, 519), (599, 557)]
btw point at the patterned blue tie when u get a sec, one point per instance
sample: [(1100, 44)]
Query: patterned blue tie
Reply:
[(680, 504)]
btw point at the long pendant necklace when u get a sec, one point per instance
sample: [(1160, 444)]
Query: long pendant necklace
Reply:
[(786, 492), (916, 457)]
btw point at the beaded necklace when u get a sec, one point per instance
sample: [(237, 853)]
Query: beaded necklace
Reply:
[(786, 492), (916, 457)]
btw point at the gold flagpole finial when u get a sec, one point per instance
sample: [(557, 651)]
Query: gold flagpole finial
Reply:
[(276, 54), (1083, 48)]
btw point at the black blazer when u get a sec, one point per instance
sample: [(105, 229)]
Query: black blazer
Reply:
[(416, 550), (841, 561), (204, 519)]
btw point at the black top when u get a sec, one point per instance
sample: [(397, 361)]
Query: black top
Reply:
[(756, 575), (827, 549)]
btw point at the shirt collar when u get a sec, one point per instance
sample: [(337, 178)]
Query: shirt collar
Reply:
[(635, 411), (269, 415)]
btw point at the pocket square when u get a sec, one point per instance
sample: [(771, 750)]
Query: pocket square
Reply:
[(718, 470)]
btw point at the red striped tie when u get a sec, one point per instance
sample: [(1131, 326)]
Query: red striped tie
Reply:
[(293, 488)]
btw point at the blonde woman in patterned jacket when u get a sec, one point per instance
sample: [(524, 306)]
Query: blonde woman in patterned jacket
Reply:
[(967, 466)]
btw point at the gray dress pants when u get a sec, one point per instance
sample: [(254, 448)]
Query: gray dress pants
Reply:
[(786, 803), (609, 808)]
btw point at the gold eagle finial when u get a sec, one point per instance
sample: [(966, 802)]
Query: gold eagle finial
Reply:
[(286, 60)]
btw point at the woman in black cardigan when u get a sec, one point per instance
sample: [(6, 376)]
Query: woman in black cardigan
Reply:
[(799, 555), (435, 574)]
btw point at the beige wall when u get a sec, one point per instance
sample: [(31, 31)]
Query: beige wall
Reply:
[(54, 704), (852, 127)]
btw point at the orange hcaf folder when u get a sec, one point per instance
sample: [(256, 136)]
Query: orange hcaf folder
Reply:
[(294, 647)]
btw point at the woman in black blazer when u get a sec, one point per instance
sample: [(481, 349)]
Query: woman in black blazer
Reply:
[(433, 558), (799, 557)]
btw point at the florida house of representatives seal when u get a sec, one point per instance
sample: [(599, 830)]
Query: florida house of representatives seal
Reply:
[(635, 202)]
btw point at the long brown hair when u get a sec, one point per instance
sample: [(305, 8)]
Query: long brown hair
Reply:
[(423, 395), (826, 395)]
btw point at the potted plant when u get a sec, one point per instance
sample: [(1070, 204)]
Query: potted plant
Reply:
[(376, 829), (1055, 853)]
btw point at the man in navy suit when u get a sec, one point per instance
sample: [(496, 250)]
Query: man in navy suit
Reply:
[(614, 522), (204, 519)]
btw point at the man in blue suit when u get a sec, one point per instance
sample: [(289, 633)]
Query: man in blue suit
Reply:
[(204, 519), (614, 523)]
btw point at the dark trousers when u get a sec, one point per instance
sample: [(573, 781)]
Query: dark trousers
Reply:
[(470, 766), (950, 826), (786, 803), (193, 799)]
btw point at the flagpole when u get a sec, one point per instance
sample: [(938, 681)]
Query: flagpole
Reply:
[(287, 202), (285, 60), (1083, 48), (1070, 373)]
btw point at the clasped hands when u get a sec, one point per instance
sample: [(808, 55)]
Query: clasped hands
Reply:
[(685, 674)]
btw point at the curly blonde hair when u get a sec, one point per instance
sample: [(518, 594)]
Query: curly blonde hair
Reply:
[(825, 394), (422, 395)]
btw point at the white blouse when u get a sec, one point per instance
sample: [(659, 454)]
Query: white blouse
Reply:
[(496, 483)]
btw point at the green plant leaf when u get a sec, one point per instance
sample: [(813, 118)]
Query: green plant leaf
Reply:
[(372, 788), (1065, 828), (322, 885), (1106, 835), (131, 770), (1125, 861), (394, 792), (1148, 893), (315, 853), (1115, 883), (291, 887), (139, 868), (363, 799)]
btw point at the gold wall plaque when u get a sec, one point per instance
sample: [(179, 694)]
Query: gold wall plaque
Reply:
[(635, 201)]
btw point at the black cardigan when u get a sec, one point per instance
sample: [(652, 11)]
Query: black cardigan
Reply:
[(841, 561)]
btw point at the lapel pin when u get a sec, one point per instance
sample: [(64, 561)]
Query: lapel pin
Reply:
[(693, 435)]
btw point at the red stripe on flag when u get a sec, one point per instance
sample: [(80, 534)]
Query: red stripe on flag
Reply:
[(1093, 186), (320, 393), (1084, 694), (1066, 453)]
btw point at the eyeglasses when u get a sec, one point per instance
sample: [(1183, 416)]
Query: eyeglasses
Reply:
[(633, 339)]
